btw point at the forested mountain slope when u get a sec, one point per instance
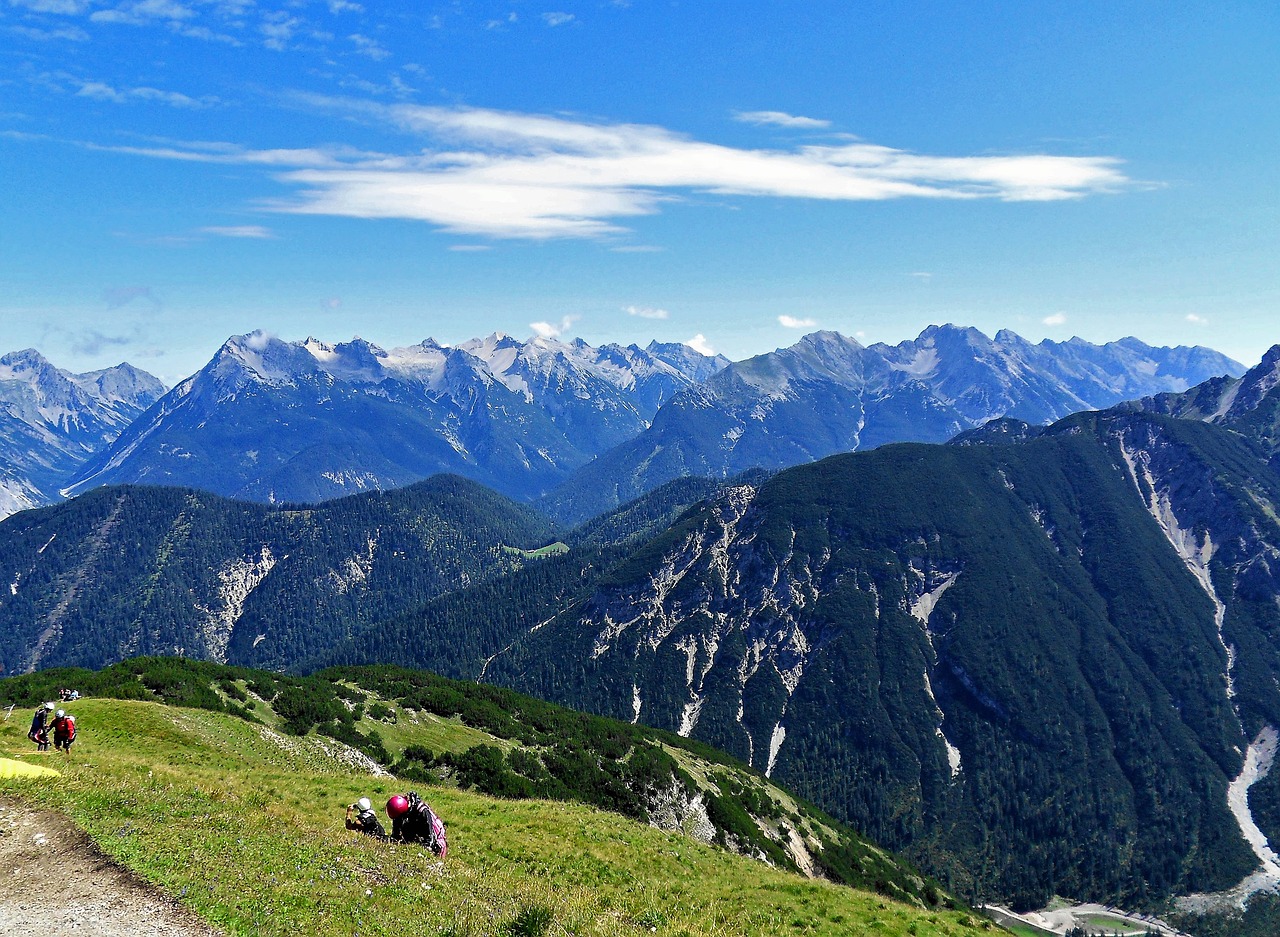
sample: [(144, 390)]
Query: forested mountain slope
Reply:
[(1039, 660), (138, 570)]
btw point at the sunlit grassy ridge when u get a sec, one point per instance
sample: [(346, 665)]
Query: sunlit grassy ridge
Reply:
[(244, 825)]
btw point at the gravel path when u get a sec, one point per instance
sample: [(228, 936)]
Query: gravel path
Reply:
[(55, 883)]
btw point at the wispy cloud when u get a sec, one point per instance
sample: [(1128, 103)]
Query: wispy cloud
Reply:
[(254, 231), (548, 330), (118, 296), (370, 47), (791, 322), (1058, 318), (700, 344), (558, 19), (68, 33), (780, 119), (93, 342), (514, 175), (647, 312), (1196, 320), (100, 91), (469, 248)]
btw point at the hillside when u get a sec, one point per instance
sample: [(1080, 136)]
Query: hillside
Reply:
[(242, 820), (136, 570), (1034, 666)]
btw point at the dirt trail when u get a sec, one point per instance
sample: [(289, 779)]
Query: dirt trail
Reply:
[(55, 883)]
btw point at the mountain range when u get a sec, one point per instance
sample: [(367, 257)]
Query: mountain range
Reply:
[(577, 428), (273, 421), (828, 394), (51, 421)]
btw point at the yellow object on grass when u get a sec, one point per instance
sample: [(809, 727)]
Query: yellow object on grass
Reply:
[(19, 769)]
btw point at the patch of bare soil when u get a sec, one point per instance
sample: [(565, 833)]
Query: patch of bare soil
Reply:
[(54, 882)]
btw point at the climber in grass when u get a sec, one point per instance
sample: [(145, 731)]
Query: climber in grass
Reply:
[(361, 818), (64, 731), (40, 726), (413, 821)]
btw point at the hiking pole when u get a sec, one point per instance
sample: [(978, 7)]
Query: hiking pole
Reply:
[(9, 712)]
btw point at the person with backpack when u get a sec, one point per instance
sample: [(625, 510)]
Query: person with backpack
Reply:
[(413, 821), (64, 732), (40, 727), (361, 818)]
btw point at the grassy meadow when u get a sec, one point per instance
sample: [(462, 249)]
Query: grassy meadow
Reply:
[(244, 826)]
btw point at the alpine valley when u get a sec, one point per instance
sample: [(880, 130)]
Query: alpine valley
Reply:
[(1029, 639)]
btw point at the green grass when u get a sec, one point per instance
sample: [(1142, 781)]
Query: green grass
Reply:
[(245, 827), (551, 549)]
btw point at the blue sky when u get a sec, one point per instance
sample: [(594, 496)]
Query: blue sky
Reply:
[(173, 172)]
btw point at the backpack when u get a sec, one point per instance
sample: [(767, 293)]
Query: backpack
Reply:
[(426, 826), (69, 727), (369, 823)]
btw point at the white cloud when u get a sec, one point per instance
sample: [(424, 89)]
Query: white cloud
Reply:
[(513, 175), (699, 344), (144, 12), (647, 312), (239, 231), (370, 47), (791, 322), (69, 33), (1196, 320), (922, 275), (343, 6), (1058, 318), (101, 91), (558, 19), (63, 7), (547, 330), (780, 119), (469, 248)]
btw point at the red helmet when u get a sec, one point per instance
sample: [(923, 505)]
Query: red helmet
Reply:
[(397, 806)]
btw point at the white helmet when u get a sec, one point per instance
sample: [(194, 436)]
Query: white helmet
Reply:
[(48, 705), (364, 803), (61, 713)]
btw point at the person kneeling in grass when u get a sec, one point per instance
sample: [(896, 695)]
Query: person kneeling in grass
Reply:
[(360, 817)]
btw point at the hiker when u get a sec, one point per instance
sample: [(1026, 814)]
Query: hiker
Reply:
[(364, 819), (413, 821), (40, 727), (64, 732)]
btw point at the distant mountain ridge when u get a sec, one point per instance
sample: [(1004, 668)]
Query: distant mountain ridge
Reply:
[(828, 394), (576, 428), (51, 420), (271, 420)]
